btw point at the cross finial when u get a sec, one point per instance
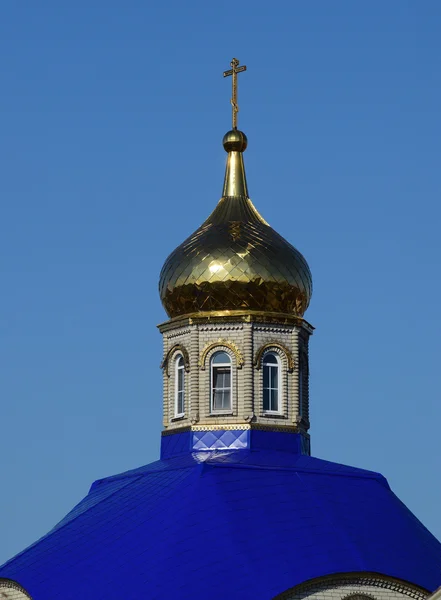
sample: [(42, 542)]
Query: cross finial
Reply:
[(234, 71)]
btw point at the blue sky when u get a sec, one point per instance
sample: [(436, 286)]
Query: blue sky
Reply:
[(113, 115)]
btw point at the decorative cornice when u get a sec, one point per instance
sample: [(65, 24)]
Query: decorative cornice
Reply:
[(235, 316), (283, 330), (183, 429), (222, 343), (280, 348), (240, 426), (235, 426), (362, 579), (176, 348), (178, 333), (221, 327), (277, 428)]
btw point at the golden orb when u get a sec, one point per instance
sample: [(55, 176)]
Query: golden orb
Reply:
[(235, 141)]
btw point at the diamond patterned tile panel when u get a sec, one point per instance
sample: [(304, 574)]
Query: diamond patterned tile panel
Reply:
[(214, 440)]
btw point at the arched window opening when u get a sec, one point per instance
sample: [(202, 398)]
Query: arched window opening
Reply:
[(180, 387), (271, 383), (220, 382)]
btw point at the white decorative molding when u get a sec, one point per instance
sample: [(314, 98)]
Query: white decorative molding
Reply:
[(221, 343), (282, 351), (221, 327), (177, 333), (270, 329), (174, 350)]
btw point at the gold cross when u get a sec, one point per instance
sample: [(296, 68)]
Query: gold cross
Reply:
[(234, 71)]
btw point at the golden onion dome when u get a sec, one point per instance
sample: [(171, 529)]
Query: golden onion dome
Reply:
[(235, 261)]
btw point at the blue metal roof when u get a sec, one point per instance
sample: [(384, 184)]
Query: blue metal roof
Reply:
[(226, 524)]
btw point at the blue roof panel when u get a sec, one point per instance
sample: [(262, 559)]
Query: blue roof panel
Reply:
[(256, 522)]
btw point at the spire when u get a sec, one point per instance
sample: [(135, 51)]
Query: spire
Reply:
[(235, 261), (235, 143)]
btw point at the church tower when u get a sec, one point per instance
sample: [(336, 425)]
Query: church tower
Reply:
[(236, 345), (236, 507)]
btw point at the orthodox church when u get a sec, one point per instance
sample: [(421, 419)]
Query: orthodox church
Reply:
[(236, 507)]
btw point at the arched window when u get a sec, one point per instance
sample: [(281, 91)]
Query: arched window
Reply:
[(180, 387), (271, 383), (220, 382)]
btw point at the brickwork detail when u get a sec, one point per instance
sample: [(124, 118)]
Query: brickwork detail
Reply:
[(246, 343), (193, 400), (221, 343), (177, 348), (287, 368), (354, 587), (10, 590), (281, 350), (248, 372), (205, 376), (175, 343)]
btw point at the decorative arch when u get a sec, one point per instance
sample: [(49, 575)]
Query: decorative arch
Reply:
[(279, 349), (339, 581), (176, 348), (12, 590), (221, 343)]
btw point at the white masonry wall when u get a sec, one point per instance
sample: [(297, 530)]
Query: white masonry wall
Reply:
[(242, 341), (361, 588), (10, 590)]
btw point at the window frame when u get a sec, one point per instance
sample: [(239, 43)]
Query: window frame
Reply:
[(221, 411), (179, 366), (279, 388)]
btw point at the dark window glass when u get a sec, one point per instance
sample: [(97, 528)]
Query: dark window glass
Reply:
[(266, 401), (180, 387), (270, 383), (270, 359), (221, 358)]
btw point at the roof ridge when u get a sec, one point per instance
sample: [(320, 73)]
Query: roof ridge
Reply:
[(362, 474)]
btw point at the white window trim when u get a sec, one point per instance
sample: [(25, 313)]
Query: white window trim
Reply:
[(178, 415), (280, 384), (226, 411)]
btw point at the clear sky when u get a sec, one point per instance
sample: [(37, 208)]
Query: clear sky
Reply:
[(112, 120)]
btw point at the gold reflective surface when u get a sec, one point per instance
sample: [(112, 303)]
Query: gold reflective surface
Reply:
[(240, 361), (235, 260), (234, 71)]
